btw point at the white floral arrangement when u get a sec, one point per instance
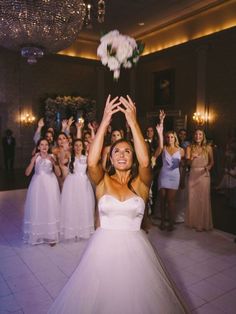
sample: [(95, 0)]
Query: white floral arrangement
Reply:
[(116, 50)]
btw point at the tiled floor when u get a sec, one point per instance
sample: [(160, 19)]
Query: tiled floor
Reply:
[(203, 265)]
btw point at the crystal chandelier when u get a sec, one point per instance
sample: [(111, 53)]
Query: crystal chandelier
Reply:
[(39, 27), (94, 10)]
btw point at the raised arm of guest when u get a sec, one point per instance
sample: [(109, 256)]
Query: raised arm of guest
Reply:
[(64, 123), (69, 123), (140, 146), (95, 169), (159, 128), (79, 127), (37, 134), (91, 128)]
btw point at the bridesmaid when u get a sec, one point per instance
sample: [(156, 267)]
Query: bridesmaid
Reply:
[(169, 177), (77, 199), (41, 218), (62, 155), (200, 158), (115, 136)]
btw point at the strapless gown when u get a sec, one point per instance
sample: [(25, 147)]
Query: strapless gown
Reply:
[(119, 272)]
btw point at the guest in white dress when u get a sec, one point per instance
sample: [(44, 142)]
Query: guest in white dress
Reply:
[(77, 199), (119, 272), (41, 217), (169, 178)]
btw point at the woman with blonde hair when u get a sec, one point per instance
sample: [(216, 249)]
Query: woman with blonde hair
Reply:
[(199, 156), (169, 177)]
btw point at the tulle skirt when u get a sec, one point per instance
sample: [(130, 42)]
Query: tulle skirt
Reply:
[(77, 207), (41, 217), (119, 273)]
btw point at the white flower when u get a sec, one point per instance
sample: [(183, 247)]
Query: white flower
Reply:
[(135, 60), (116, 74), (124, 52), (109, 36), (127, 65), (116, 50), (132, 42), (104, 60), (113, 64)]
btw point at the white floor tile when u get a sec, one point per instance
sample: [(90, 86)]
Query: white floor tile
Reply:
[(208, 309), (203, 266), (22, 282), (4, 289), (34, 296), (9, 303), (206, 291), (226, 302)]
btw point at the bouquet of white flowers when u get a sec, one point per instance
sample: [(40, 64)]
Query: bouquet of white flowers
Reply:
[(116, 50)]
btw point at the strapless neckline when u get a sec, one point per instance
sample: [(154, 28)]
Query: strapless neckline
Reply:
[(116, 199)]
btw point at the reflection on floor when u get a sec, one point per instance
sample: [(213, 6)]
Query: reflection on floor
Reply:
[(203, 265)]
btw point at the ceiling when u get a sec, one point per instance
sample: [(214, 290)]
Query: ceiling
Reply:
[(167, 23), (125, 15)]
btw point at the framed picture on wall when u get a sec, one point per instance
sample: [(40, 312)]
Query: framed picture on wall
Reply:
[(164, 85)]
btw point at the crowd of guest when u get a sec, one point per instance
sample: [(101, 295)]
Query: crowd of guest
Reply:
[(181, 171)]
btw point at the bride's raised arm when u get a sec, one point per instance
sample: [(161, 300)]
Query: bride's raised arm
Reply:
[(95, 169), (140, 146)]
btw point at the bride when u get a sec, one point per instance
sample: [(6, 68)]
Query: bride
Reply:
[(119, 272)]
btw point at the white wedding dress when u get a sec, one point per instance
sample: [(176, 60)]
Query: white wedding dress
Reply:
[(77, 203), (42, 205), (119, 272)]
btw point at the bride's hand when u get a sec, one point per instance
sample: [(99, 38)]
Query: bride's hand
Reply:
[(129, 110), (111, 107)]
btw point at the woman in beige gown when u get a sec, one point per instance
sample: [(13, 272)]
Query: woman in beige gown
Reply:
[(200, 158)]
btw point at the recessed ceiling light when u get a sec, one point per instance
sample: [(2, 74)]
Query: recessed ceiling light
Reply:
[(141, 23)]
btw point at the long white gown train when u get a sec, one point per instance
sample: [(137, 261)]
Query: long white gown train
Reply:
[(119, 272)]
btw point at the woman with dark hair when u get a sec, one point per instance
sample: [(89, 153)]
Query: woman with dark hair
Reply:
[(115, 136), (41, 218), (119, 272), (62, 155), (77, 199), (200, 158)]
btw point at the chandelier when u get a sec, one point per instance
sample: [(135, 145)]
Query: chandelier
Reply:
[(39, 27)]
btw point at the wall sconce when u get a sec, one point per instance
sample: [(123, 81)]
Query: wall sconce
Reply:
[(199, 118), (27, 119)]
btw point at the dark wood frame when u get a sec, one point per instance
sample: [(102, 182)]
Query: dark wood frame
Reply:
[(164, 88)]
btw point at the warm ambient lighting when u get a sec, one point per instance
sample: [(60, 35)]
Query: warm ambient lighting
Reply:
[(27, 119), (200, 118), (36, 28)]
